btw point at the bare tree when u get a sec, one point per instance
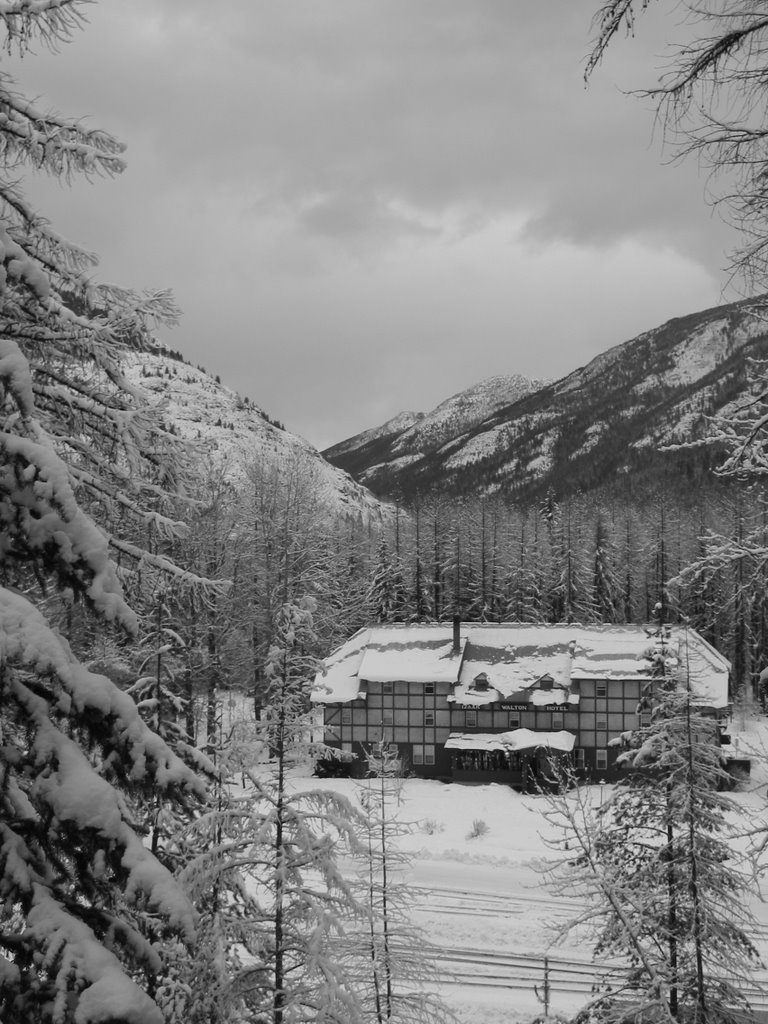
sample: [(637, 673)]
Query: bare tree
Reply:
[(712, 102), (391, 959)]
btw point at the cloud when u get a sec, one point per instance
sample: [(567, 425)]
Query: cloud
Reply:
[(364, 205)]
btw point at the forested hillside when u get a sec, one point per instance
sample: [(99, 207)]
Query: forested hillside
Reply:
[(231, 432)]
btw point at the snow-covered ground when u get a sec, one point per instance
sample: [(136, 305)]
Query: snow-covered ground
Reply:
[(484, 900)]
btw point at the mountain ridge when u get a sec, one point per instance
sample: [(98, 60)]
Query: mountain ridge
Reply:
[(606, 418), (411, 435)]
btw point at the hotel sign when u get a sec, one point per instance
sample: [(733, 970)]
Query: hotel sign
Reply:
[(531, 707), (512, 707)]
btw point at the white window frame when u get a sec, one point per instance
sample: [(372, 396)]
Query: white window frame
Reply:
[(423, 753), (429, 718), (429, 688), (601, 724), (470, 718), (558, 721), (514, 720), (579, 760), (645, 719), (601, 759), (387, 717), (601, 688)]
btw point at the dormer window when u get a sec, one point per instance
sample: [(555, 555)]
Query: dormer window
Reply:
[(480, 682), (546, 683)]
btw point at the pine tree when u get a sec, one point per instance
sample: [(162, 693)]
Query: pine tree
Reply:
[(527, 573), (387, 595), (158, 696), (420, 596), (568, 592), (86, 471), (658, 860), (605, 588)]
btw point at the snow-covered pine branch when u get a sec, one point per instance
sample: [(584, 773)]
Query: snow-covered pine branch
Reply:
[(50, 21), (69, 848), (87, 468)]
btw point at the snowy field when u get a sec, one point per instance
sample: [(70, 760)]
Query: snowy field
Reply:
[(484, 901)]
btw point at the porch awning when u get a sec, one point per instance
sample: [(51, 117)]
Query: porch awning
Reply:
[(474, 741), (518, 739), (525, 739)]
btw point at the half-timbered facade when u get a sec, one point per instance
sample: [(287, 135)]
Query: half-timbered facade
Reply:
[(473, 701)]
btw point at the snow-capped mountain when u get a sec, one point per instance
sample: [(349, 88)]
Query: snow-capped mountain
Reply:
[(605, 419), (391, 429), (229, 429), (409, 437)]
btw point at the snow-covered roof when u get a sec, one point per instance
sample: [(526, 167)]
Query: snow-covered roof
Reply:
[(707, 669), (515, 658), (424, 656), (542, 698), (512, 659), (339, 682)]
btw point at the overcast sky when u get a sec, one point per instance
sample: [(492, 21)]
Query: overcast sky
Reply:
[(364, 206)]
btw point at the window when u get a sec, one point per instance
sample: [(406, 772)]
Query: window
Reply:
[(470, 719), (386, 718), (429, 688), (429, 718), (386, 687), (557, 720), (601, 689), (514, 719), (346, 716), (645, 719), (601, 723), (423, 753), (601, 760), (578, 758)]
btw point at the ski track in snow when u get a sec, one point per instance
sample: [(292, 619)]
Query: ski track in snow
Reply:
[(494, 926), (484, 901)]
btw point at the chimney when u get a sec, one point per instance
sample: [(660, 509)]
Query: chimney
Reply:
[(456, 634)]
